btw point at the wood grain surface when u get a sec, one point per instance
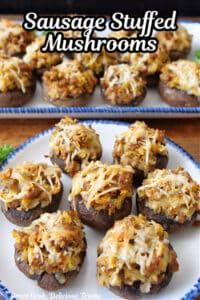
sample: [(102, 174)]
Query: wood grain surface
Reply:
[(185, 132)]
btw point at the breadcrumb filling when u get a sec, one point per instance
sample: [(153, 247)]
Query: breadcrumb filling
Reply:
[(97, 62), (135, 250), (14, 74), (103, 187), (69, 80), (29, 185), (75, 143), (122, 84), (54, 243), (13, 38), (172, 193), (147, 63), (178, 40), (182, 75), (139, 147), (37, 59)]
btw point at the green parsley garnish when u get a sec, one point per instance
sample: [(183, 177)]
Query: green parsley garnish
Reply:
[(5, 150), (197, 54)]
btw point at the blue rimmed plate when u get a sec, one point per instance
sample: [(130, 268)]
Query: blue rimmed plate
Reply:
[(151, 107), (184, 285)]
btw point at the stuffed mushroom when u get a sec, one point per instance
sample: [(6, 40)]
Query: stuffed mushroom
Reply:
[(148, 64), (102, 194), (74, 145), (17, 83), (122, 85), (68, 84), (135, 258), (14, 38), (97, 62), (141, 147), (180, 83), (178, 43), (169, 197), (41, 61), (28, 190), (51, 250)]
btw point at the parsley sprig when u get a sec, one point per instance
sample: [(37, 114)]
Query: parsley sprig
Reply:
[(5, 150)]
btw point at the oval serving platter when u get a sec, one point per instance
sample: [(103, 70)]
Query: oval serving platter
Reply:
[(151, 107), (185, 284)]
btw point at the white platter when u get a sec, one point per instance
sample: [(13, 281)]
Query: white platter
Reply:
[(151, 107), (186, 242)]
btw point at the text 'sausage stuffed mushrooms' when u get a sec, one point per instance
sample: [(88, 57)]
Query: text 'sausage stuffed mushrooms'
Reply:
[(123, 85), (40, 61), (169, 197), (135, 258), (97, 62), (28, 190), (148, 65), (51, 250), (102, 194), (17, 83), (73, 145), (14, 38), (178, 43), (180, 83), (141, 147), (68, 84)]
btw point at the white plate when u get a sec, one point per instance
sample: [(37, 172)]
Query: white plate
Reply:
[(186, 242), (151, 107)]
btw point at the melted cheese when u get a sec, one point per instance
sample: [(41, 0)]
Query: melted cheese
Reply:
[(183, 75), (29, 185), (13, 38), (178, 40), (76, 144), (122, 84), (139, 147), (171, 192), (103, 187), (53, 244), (134, 249), (14, 74), (97, 62), (147, 63), (37, 59)]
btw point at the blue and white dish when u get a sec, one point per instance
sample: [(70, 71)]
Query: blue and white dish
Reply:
[(151, 107), (185, 283)]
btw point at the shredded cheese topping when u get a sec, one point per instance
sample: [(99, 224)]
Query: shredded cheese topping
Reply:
[(171, 192), (97, 62), (75, 143), (13, 38), (183, 75), (54, 243), (37, 59), (133, 250), (179, 40), (29, 185), (69, 80), (139, 147), (14, 74), (122, 84), (147, 63), (103, 187)]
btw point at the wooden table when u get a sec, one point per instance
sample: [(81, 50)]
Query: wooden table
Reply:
[(185, 132)]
